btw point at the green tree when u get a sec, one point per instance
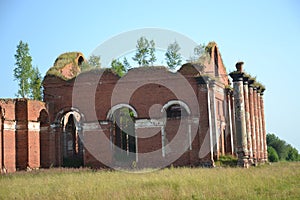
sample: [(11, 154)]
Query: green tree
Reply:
[(152, 58), (292, 154), (29, 78), (199, 50), (36, 85), (118, 67), (279, 145), (23, 69), (173, 57), (94, 61), (126, 63), (272, 155), (142, 51)]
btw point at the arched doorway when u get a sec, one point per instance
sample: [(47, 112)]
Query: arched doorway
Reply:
[(71, 139), (123, 134)]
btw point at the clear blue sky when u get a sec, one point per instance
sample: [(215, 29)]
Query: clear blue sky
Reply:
[(264, 34)]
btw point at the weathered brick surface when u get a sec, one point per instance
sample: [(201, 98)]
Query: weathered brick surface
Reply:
[(20, 146), (9, 150), (34, 149)]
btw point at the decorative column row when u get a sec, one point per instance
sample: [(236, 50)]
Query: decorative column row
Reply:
[(249, 119)]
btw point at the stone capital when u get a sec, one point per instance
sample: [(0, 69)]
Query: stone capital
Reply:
[(237, 76)]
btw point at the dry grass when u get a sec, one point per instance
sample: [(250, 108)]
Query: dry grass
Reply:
[(276, 181)]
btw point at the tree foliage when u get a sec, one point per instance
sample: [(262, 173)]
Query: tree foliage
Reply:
[(272, 155), (285, 151), (126, 63), (23, 69), (152, 52), (94, 61), (29, 78), (145, 52), (36, 84), (173, 57), (292, 154), (118, 67)]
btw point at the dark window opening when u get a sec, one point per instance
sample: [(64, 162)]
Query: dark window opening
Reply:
[(80, 60), (176, 111), (216, 62)]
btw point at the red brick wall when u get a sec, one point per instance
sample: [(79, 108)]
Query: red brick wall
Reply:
[(20, 132)]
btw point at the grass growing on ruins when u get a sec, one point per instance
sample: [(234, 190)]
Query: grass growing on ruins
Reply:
[(276, 181)]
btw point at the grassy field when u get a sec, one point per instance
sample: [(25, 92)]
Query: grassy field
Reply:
[(276, 181)]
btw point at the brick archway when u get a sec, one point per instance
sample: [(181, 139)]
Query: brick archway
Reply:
[(68, 140), (65, 110)]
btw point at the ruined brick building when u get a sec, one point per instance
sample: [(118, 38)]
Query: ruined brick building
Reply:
[(150, 117)]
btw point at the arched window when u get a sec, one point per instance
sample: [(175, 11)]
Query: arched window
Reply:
[(123, 135)]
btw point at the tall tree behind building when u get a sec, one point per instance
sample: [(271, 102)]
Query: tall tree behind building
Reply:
[(29, 78), (173, 57), (142, 51)]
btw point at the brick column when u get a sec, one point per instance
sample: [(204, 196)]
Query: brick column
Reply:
[(261, 152), (252, 121), (21, 111), (256, 124), (33, 145), (9, 146), (240, 122), (247, 118), (262, 108)]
